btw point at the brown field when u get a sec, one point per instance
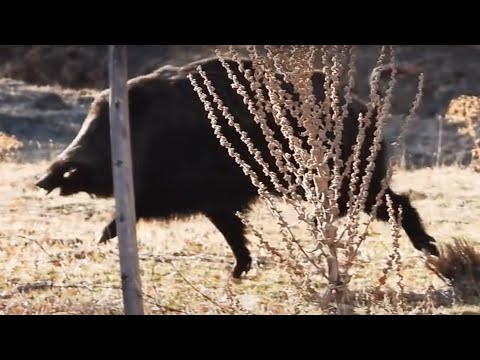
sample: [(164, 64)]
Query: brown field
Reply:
[(51, 262)]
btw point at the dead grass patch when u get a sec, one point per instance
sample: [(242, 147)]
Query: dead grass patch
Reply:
[(9, 145), (51, 263), (459, 267)]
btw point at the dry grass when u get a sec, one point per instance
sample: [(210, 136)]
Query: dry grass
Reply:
[(52, 264), (459, 266)]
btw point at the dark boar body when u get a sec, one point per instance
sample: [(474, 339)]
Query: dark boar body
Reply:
[(179, 166)]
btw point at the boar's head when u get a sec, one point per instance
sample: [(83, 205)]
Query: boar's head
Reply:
[(85, 165)]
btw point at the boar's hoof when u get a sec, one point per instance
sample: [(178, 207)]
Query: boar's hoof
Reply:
[(426, 244), (104, 240), (109, 232), (243, 265)]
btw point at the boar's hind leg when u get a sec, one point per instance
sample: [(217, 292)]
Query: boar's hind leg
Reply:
[(233, 230), (109, 232), (411, 222)]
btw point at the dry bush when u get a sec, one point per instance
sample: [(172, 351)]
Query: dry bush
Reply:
[(329, 254), (464, 111), (9, 145), (459, 267)]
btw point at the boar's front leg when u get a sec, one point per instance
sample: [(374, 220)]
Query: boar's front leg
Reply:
[(109, 232)]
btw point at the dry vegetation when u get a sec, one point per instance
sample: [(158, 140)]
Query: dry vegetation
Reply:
[(9, 145), (464, 111), (52, 264)]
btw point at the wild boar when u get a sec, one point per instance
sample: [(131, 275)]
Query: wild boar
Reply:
[(179, 166)]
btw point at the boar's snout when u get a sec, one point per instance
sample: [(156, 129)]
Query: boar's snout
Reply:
[(60, 175), (73, 177), (46, 182)]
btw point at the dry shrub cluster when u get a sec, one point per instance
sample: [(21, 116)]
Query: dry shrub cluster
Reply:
[(459, 267), (9, 145), (464, 111), (320, 266)]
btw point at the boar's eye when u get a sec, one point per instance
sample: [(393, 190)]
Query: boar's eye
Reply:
[(70, 172)]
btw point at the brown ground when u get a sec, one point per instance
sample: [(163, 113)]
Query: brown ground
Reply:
[(52, 263)]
